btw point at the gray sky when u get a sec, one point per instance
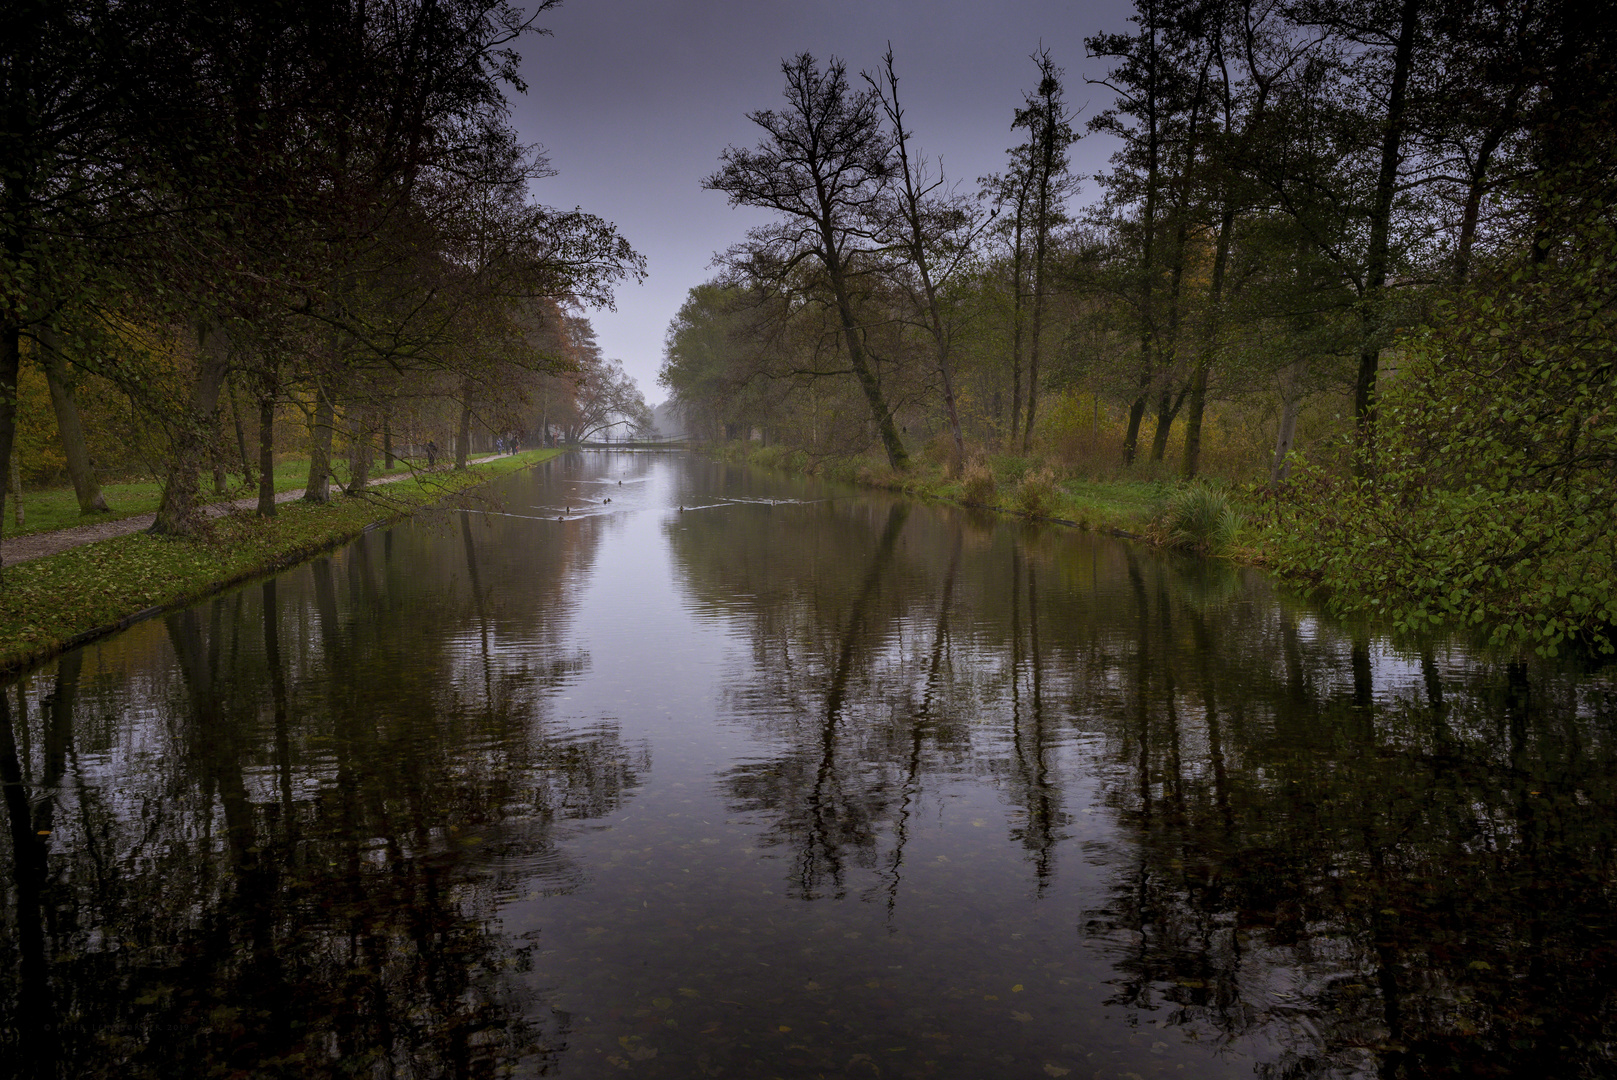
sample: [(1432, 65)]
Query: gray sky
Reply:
[(634, 100)]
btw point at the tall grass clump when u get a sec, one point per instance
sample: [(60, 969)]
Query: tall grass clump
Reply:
[(1036, 493), (1201, 519), (977, 483)]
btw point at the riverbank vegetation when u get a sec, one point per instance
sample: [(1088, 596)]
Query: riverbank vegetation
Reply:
[(1001, 482), (233, 233), (1351, 263), (53, 603)]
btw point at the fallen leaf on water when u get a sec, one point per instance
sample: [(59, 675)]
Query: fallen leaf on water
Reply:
[(1021, 1017), (1056, 1070), (1017, 989)]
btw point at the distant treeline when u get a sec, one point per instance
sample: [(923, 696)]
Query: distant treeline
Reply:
[(223, 223)]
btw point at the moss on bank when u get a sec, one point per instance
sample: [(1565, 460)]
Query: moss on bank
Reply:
[(52, 604)]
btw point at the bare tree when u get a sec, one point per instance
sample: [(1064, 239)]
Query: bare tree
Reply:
[(933, 232), (823, 166)]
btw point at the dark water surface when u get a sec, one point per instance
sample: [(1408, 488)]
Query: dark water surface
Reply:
[(795, 783)]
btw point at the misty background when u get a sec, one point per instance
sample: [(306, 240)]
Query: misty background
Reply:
[(634, 100)]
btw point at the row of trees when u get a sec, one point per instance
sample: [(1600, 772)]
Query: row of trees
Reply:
[(247, 210), (1297, 184)]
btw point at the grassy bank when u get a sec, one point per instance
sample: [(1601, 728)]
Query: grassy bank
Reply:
[(1311, 541), (51, 604), (1034, 488)]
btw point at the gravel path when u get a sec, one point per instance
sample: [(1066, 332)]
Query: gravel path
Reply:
[(20, 549)]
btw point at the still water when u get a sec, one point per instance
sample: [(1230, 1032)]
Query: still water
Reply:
[(660, 768)]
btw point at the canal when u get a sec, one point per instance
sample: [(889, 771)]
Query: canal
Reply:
[(650, 766)]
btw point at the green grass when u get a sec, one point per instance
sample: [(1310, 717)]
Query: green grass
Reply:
[(1200, 519), (58, 508), (51, 604)]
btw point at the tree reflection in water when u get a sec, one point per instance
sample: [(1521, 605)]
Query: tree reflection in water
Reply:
[(295, 875), (1335, 877)]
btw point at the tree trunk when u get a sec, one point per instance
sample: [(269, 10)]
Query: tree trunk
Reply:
[(1478, 187), (221, 483), (360, 452), (1017, 257), (1131, 436), (1210, 343), (241, 436), (1046, 142), (1290, 402), (897, 456), (1168, 403), (79, 468), (266, 450), (1040, 234), (1168, 406), (387, 445), (318, 487), (1148, 224), (10, 362), (463, 439), (16, 490), (1375, 277), (1193, 418), (177, 514)]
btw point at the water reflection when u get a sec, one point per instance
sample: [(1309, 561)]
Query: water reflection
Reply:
[(935, 795), (280, 854), (1339, 860)]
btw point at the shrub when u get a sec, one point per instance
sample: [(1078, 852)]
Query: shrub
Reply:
[(1201, 519), (1488, 501), (977, 482), (1036, 493), (940, 450)]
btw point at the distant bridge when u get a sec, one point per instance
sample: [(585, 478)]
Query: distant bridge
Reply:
[(661, 442)]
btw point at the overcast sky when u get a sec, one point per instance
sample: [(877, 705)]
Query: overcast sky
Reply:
[(634, 100)]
